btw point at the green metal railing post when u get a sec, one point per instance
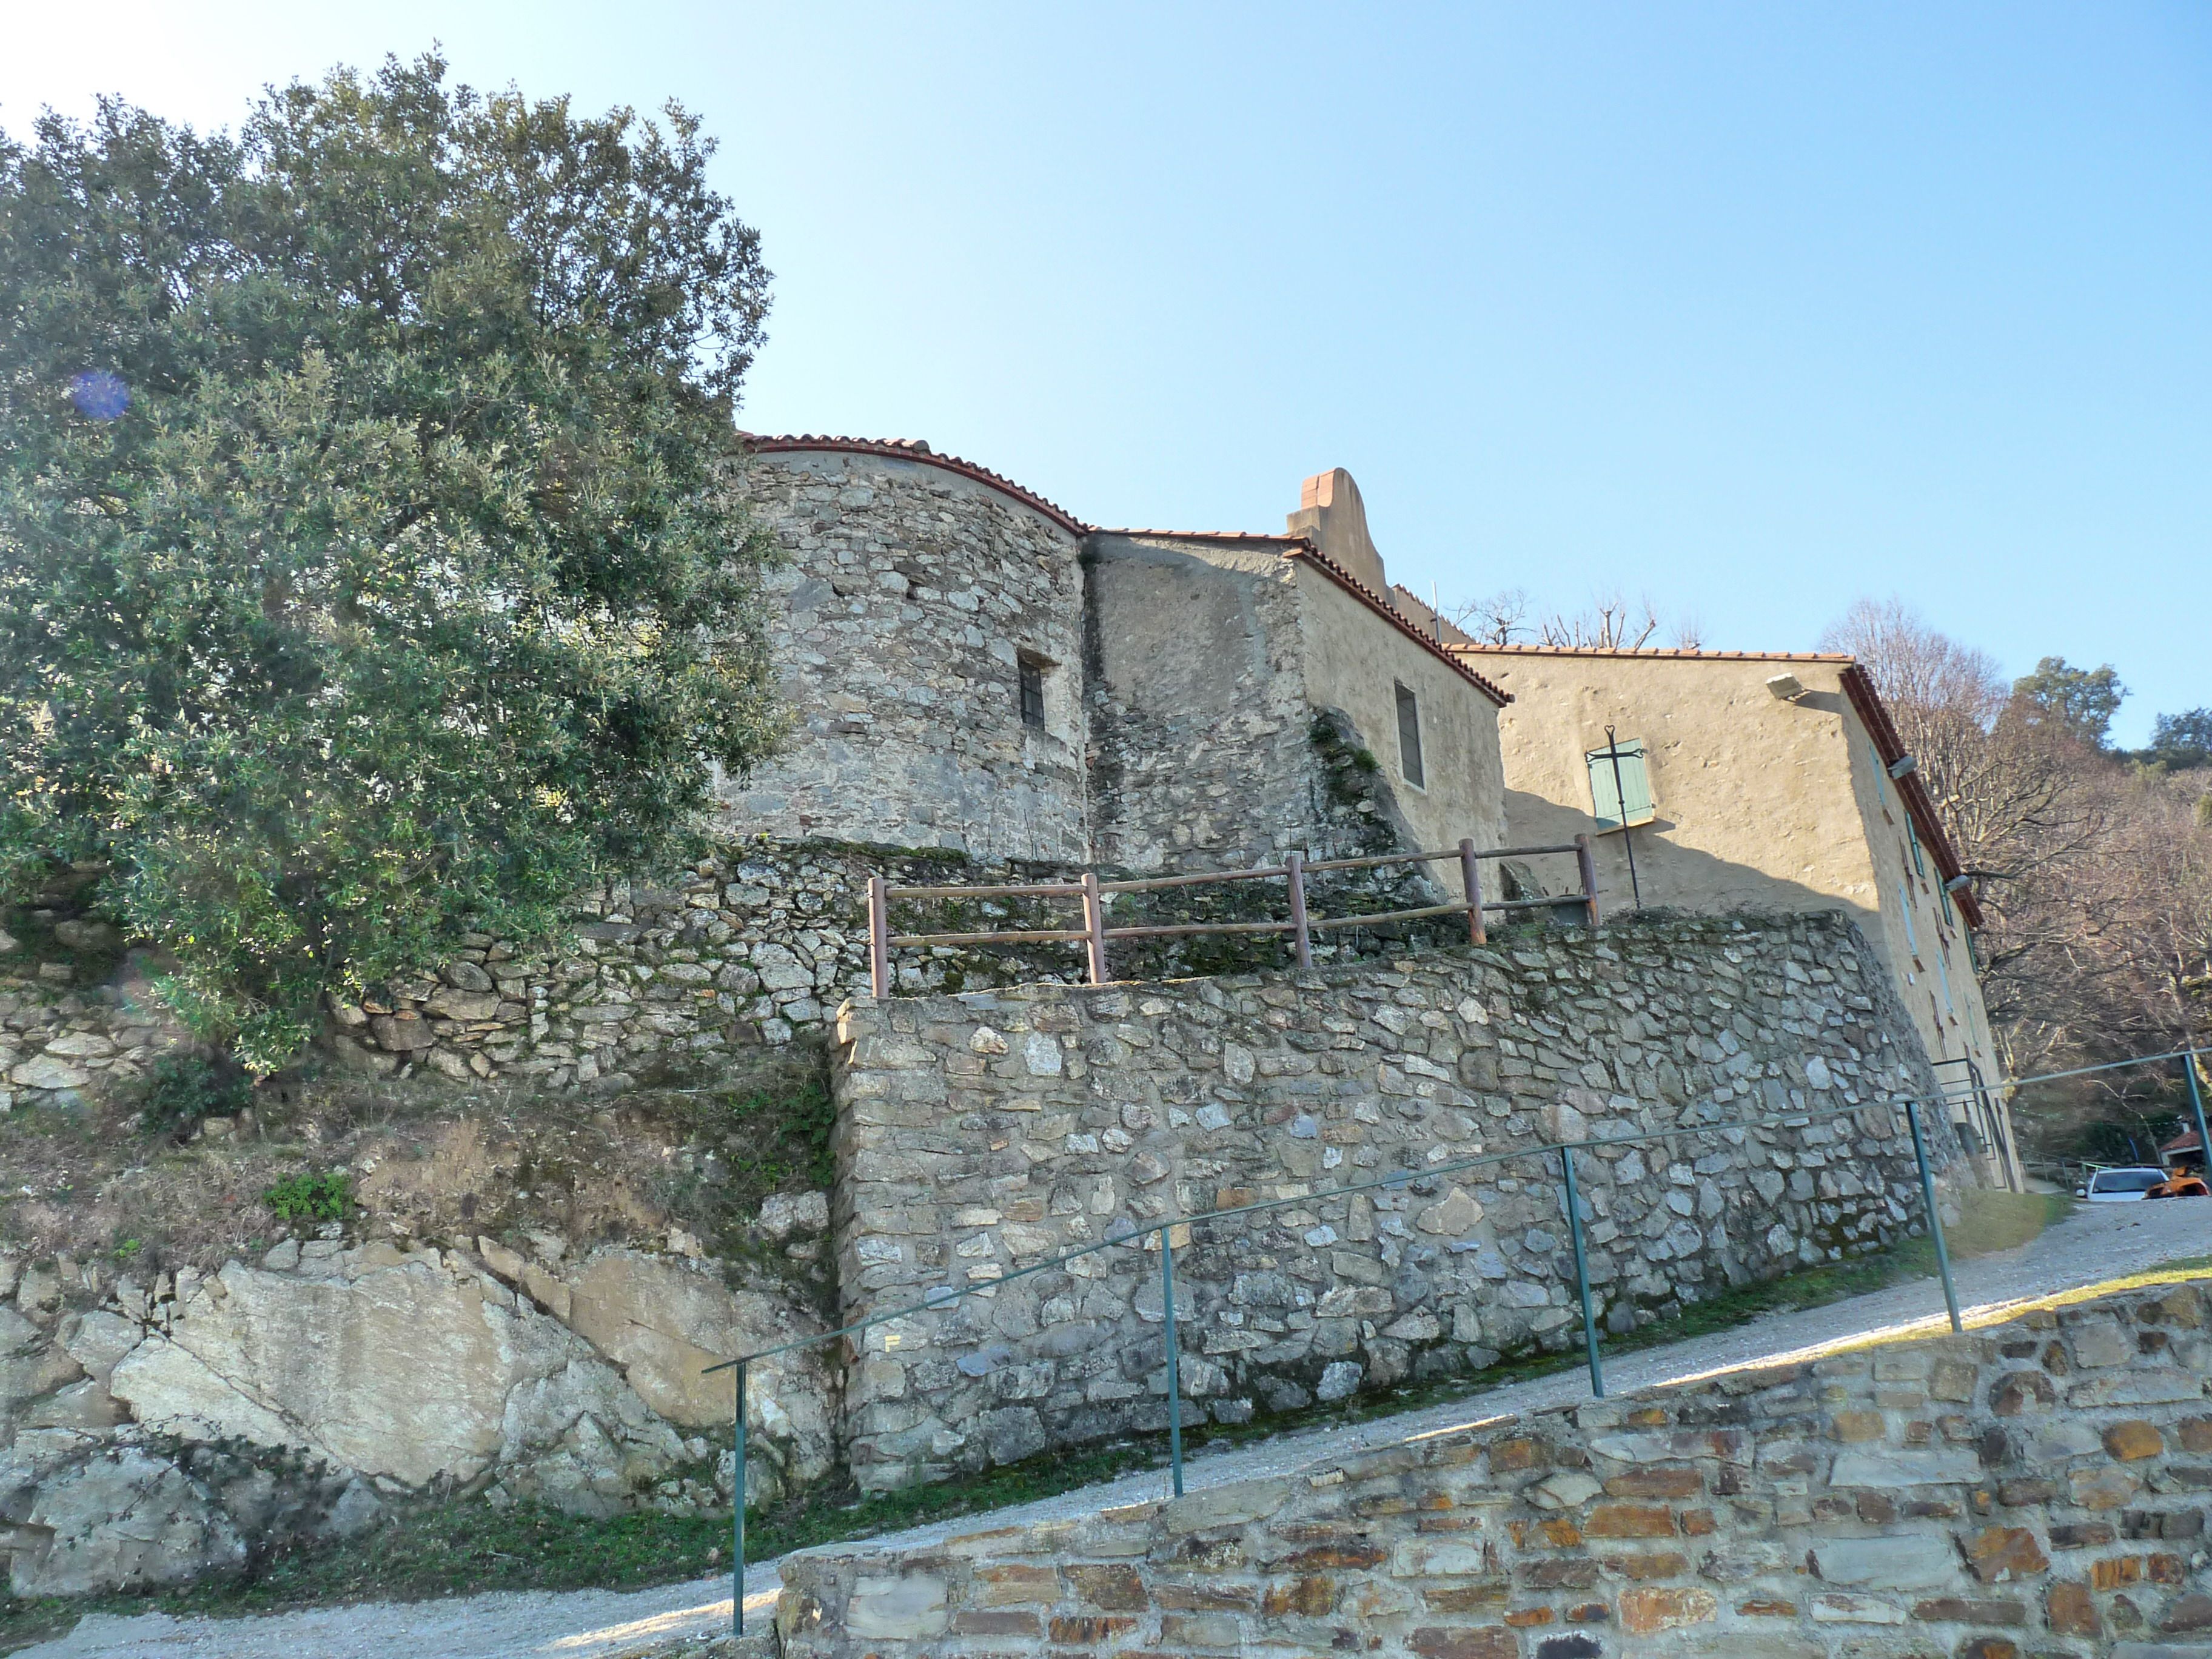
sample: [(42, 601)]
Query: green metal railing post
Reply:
[(1934, 1218), (1582, 1274), (2196, 1105), (738, 1504), (1175, 1370)]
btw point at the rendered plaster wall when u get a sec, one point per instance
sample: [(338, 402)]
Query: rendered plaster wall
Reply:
[(984, 1133), (1210, 661), (2035, 1488), (1761, 805), (909, 593), (1927, 955), (1355, 661)]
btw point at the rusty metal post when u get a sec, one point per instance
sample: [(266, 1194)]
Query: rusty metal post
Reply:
[(1094, 923), (879, 938), (1587, 863), (1471, 873), (1295, 867)]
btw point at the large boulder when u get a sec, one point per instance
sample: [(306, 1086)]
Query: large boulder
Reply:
[(665, 1322), (119, 1522), (400, 1368)]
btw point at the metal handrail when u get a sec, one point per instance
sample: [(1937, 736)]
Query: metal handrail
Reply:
[(1293, 871), (1122, 1235)]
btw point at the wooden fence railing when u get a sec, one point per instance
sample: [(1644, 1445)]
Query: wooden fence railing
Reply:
[(1292, 871)]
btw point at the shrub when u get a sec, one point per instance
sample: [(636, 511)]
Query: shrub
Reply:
[(184, 1089), (311, 1197)]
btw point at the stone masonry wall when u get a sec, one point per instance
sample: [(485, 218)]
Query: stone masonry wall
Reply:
[(985, 1131), (1200, 718), (754, 945), (2039, 1488), (909, 593)]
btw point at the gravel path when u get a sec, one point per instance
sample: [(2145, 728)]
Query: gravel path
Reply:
[(2099, 1241)]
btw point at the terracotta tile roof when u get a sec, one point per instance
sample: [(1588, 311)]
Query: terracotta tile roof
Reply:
[(1858, 686), (1652, 650), (910, 449), (1203, 535), (1306, 553)]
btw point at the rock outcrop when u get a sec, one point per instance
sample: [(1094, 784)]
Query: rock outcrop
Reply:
[(156, 1435)]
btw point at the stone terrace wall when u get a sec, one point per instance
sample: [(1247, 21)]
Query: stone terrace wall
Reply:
[(2039, 1488), (981, 1133), (755, 947)]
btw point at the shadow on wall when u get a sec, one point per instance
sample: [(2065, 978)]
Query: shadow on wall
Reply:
[(1672, 875)]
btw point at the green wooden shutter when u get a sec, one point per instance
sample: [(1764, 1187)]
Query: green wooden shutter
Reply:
[(1635, 782)]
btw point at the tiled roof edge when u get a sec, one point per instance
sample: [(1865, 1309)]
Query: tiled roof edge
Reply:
[(1653, 652), (1874, 714), (910, 449), (1307, 553)]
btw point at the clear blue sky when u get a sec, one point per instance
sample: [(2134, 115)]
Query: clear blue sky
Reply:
[(1756, 308)]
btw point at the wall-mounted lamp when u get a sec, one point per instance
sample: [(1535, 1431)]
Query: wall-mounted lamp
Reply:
[(1902, 764), (1787, 687), (1958, 882)]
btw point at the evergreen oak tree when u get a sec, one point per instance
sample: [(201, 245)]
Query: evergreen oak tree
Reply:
[(365, 573)]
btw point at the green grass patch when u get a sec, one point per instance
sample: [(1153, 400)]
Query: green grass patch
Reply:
[(310, 1197)]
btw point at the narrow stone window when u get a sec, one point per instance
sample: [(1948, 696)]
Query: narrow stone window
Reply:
[(1409, 737), (1030, 668)]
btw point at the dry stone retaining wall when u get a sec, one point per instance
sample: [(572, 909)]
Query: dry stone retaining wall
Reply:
[(757, 945), (987, 1131), (2039, 1488)]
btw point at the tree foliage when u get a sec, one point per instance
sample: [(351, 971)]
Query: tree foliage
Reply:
[(365, 576), (2080, 702), (2181, 741), (2094, 873)]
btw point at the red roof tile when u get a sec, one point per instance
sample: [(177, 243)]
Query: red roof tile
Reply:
[(1307, 553), (911, 449), (1653, 651)]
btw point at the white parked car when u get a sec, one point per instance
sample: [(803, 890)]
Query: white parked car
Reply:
[(2125, 1186)]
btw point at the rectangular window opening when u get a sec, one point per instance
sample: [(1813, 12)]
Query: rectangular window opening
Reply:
[(1031, 668), (1620, 784), (1409, 738)]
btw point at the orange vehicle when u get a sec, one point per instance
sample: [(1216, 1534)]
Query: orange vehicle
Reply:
[(2182, 1183)]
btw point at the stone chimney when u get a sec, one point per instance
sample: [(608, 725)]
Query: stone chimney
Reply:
[(1330, 513)]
